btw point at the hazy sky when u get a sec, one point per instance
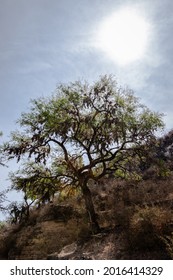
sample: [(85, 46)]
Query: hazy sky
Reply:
[(45, 42)]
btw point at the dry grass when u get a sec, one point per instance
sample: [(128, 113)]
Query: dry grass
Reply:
[(48, 230), (142, 209), (147, 225)]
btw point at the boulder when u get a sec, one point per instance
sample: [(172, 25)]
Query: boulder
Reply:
[(66, 253)]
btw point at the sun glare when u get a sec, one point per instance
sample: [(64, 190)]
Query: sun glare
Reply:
[(123, 36)]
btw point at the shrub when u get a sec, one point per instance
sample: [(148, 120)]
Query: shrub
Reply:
[(147, 225)]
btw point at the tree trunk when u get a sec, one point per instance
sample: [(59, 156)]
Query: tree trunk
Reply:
[(90, 208)]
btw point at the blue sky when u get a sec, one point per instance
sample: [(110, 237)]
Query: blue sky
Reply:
[(45, 42)]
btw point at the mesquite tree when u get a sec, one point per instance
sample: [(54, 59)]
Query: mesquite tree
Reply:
[(87, 131)]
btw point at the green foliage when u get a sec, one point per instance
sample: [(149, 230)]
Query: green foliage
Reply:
[(162, 169), (82, 132), (36, 181), (99, 122)]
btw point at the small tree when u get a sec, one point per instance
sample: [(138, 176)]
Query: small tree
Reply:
[(86, 131)]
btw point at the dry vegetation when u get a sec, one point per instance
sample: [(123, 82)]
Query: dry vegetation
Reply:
[(136, 220)]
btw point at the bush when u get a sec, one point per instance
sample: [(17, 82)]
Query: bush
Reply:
[(2, 225), (147, 225)]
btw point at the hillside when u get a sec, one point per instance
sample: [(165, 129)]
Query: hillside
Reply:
[(136, 220)]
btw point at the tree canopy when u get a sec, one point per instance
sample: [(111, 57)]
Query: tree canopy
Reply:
[(84, 132)]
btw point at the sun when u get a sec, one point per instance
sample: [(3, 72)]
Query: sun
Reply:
[(123, 36)]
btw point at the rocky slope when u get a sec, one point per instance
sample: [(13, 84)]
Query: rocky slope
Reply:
[(126, 213)]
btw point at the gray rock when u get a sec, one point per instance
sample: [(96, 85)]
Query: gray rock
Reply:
[(66, 253)]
